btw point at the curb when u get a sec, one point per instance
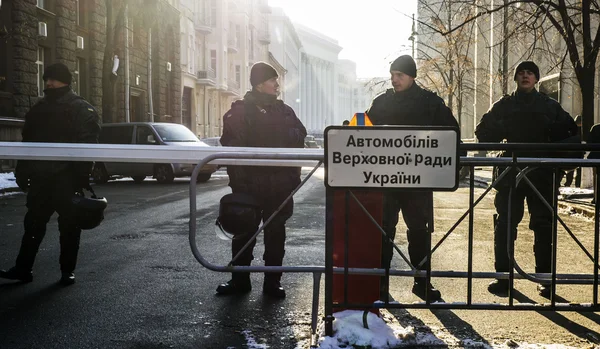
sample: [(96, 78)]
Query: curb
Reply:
[(586, 211), (10, 190)]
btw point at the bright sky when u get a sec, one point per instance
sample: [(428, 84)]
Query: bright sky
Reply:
[(372, 32)]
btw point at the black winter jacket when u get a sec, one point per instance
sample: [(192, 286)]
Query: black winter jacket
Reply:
[(413, 107), (272, 126), (67, 119)]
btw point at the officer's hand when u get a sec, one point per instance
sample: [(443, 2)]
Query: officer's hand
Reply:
[(22, 182)]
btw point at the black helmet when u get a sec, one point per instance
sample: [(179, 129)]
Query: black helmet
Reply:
[(89, 211), (239, 214)]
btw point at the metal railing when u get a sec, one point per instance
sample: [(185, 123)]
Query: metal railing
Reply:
[(314, 157)]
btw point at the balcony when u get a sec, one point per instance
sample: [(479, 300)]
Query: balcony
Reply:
[(206, 77), (203, 24), (264, 37), (233, 88), (233, 45)]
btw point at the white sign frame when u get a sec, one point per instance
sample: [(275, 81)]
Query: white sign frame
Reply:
[(392, 157)]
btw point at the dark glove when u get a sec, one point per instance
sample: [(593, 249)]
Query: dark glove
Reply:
[(22, 182), (559, 132)]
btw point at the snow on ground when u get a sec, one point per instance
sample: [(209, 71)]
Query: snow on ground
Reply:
[(349, 332), (7, 180)]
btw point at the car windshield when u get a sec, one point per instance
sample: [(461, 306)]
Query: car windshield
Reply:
[(175, 133)]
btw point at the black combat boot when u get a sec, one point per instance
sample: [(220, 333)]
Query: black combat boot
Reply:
[(421, 287), (499, 287), (17, 274), (272, 286), (239, 284), (544, 290), (67, 278)]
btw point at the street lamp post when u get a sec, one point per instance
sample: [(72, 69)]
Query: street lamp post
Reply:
[(413, 35)]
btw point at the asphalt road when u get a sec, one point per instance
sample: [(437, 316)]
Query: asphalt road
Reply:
[(138, 285)]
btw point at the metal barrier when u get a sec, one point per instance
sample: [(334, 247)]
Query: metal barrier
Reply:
[(551, 279), (302, 157)]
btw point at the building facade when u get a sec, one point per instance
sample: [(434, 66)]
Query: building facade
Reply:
[(318, 72), (285, 47), (220, 40), (146, 81), (346, 85)]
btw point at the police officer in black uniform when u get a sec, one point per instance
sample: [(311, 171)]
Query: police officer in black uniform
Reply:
[(60, 117), (262, 120), (525, 116), (409, 104)]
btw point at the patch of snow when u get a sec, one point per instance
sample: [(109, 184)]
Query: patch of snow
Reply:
[(7, 180), (251, 342), (349, 332)]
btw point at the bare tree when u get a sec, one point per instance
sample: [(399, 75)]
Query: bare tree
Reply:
[(575, 22), (445, 61)]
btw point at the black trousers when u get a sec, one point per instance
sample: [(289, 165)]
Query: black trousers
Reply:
[(274, 236), (416, 209), (540, 222), (45, 196)]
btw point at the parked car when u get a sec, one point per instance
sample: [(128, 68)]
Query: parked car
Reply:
[(212, 141), (148, 133), (310, 142)]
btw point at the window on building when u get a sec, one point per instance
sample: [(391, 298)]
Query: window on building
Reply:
[(41, 53), (81, 12), (41, 3), (213, 60), (191, 66), (79, 77), (238, 73)]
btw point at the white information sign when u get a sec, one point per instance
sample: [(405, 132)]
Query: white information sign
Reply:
[(389, 157)]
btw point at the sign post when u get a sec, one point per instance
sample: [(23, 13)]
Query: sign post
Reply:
[(362, 163)]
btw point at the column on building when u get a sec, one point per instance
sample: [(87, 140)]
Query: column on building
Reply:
[(314, 91)]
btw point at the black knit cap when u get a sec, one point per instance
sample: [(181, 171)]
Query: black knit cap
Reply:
[(59, 72), (261, 72), (527, 65), (405, 64)]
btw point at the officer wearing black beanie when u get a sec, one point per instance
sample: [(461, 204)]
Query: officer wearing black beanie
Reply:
[(409, 104), (60, 117), (261, 120), (525, 116)]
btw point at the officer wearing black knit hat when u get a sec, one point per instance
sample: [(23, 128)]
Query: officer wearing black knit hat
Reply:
[(58, 72), (262, 120), (409, 104), (60, 117), (525, 116)]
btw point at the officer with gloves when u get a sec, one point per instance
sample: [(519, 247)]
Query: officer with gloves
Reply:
[(262, 120), (525, 116), (60, 117)]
